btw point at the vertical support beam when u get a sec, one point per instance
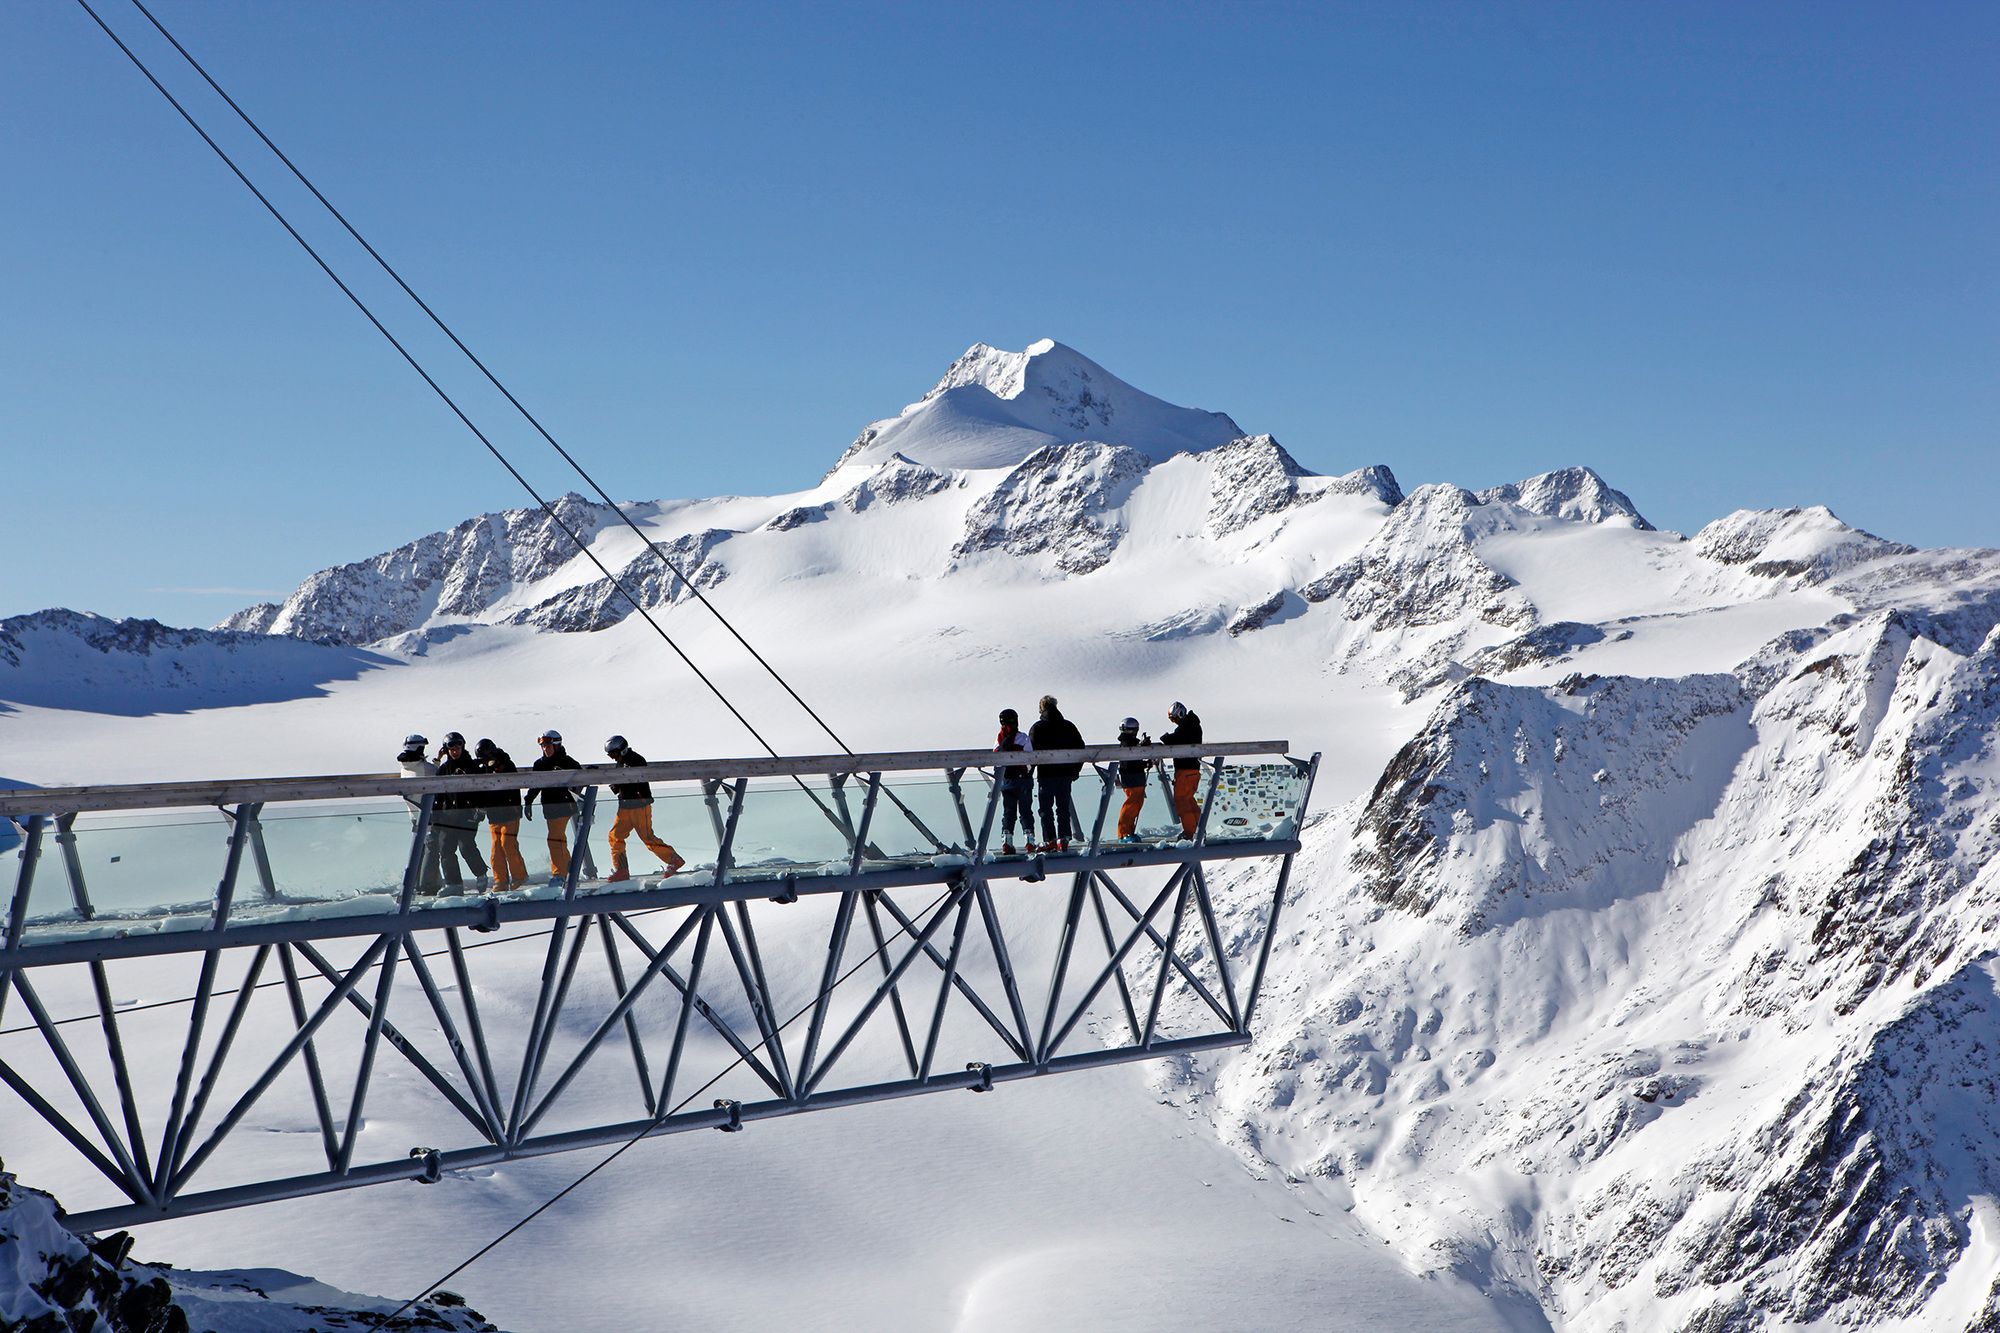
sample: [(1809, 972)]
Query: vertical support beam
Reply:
[(951, 777), (1264, 950), (616, 967), (725, 851), (1071, 917), (1167, 958), (1106, 773), (232, 867), (1117, 973), (420, 832), (586, 811), (1214, 934), (470, 1003), (1207, 804), (79, 893), (260, 855), (24, 885), (861, 831)]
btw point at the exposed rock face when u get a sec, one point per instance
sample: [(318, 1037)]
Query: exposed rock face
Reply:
[(1057, 503), (454, 573), (1376, 480), (1258, 614), (1809, 544), (1575, 493), (897, 481), (1421, 568), (652, 580), (1252, 477), (52, 1281)]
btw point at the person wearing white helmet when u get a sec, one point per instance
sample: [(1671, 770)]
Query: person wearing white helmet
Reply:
[(1132, 775), (415, 762), (1187, 772), (635, 815)]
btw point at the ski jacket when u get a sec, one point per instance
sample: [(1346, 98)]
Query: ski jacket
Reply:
[(631, 795), (1187, 733), (1057, 732), (503, 801), (1132, 772), (416, 764), (459, 800), (1015, 741), (555, 800)]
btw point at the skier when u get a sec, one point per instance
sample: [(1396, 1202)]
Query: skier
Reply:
[(1017, 785), (1187, 772), (635, 815), (558, 804), (415, 762), (455, 817), (1132, 777), (1053, 731), (503, 817)]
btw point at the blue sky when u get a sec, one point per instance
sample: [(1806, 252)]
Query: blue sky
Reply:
[(1728, 255)]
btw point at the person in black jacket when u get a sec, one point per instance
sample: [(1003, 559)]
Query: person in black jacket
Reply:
[(1132, 774), (455, 817), (1017, 784), (502, 807), (558, 803), (1187, 772), (635, 815), (1053, 731)]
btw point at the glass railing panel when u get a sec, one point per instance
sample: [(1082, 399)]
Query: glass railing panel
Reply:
[(1254, 801), (918, 819), (324, 852), (140, 870), (799, 828)]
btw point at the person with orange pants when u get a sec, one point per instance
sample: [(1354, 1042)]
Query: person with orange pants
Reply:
[(1187, 772), (1132, 777), (635, 815), (558, 803), (503, 817)]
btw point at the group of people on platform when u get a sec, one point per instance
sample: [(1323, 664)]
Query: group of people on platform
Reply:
[(455, 816), (1052, 731)]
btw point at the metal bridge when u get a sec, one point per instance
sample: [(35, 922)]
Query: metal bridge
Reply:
[(844, 932)]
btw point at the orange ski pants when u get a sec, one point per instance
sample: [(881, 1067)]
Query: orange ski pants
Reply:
[(507, 862), (1185, 781), (1128, 813), (558, 844), (639, 820)]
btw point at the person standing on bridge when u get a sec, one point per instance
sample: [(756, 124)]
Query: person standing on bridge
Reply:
[(558, 803), (635, 815), (415, 763), (503, 817), (456, 817), (1053, 731), (1132, 775), (1017, 784), (1187, 772)]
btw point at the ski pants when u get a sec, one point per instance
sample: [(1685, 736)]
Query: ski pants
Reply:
[(1058, 809), (637, 819), (559, 845), (455, 835), (1185, 782), (1128, 814), (1017, 803), (507, 863)]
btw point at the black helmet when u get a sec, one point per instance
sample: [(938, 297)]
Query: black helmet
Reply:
[(452, 738), (486, 749), (616, 745), (1009, 717)]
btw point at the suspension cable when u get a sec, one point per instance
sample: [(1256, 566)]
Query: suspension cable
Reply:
[(491, 378)]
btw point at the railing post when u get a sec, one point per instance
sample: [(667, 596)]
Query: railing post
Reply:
[(79, 892), (725, 851), (1105, 772), (586, 810), (867, 819), (1207, 804), (420, 832), (24, 884)]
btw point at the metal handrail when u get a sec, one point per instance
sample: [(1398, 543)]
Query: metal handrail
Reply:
[(21, 801)]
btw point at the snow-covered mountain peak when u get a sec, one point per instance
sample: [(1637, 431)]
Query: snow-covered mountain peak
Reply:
[(993, 408), (1573, 493), (1811, 543)]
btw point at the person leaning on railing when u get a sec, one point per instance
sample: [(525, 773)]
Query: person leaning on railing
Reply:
[(455, 817), (1132, 775), (635, 815), (416, 763), (503, 816)]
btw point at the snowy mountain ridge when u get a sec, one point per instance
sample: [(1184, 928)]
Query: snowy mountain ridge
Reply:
[(1639, 968)]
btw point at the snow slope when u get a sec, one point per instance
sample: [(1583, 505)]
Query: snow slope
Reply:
[(1638, 973)]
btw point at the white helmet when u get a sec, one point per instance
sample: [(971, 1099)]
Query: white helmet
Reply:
[(413, 739)]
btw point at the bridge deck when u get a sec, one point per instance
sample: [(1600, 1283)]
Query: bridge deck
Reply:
[(605, 1011)]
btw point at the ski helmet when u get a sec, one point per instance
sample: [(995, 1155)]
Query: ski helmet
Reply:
[(413, 739), (1009, 718), (616, 745), (486, 749), (1178, 711), (551, 735), (1129, 724), (452, 738)]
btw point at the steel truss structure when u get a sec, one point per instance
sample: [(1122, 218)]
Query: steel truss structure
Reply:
[(917, 983)]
